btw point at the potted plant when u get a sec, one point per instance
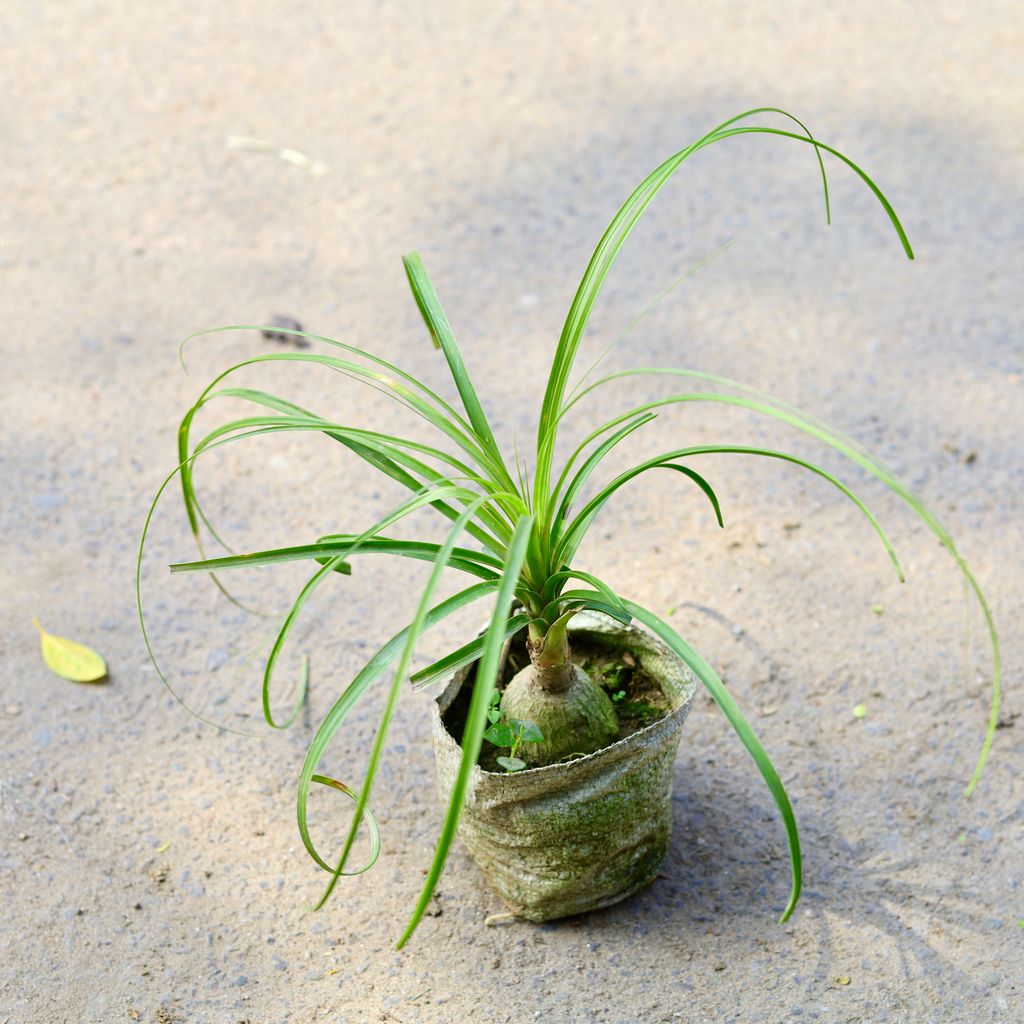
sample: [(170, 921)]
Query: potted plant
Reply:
[(556, 733)]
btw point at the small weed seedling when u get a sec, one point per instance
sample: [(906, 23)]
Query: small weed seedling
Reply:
[(511, 733)]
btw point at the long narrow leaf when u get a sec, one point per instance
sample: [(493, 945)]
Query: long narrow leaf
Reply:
[(440, 414), (764, 404), (707, 675), (158, 668), (371, 822), (592, 462), (400, 512), (591, 599), (391, 375), (393, 449), (272, 556), (444, 338), (463, 438), (342, 707), (604, 256), (476, 718), (373, 457), (464, 655), (553, 587), (574, 533), (141, 551), (476, 563), (416, 627), (688, 273)]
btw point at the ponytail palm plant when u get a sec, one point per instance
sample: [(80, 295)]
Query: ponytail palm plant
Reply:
[(516, 534)]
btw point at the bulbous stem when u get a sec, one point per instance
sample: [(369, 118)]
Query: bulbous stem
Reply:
[(573, 713)]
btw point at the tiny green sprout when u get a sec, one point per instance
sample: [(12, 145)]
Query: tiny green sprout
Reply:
[(511, 733), (860, 711), (494, 711), (618, 696)]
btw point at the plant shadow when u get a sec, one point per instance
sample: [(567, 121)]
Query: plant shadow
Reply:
[(726, 877)]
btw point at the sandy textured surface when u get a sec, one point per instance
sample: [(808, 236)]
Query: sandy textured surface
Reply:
[(149, 864)]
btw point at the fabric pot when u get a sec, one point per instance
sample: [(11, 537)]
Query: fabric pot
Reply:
[(577, 836)]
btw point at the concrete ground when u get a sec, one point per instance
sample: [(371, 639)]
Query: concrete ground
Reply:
[(150, 867)]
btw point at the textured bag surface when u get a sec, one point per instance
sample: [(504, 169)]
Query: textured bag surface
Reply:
[(573, 837)]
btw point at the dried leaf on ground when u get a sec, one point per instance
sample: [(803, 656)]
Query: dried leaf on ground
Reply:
[(69, 659)]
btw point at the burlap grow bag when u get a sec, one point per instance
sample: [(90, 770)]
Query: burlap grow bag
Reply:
[(577, 836)]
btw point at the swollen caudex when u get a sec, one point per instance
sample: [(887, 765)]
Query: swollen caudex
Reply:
[(572, 712)]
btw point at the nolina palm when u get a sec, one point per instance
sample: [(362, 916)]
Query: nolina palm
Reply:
[(517, 540)]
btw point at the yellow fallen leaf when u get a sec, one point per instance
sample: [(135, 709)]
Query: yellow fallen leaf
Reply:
[(71, 660), (163, 847), (842, 980), (860, 711)]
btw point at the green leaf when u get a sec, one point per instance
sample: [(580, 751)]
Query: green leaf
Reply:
[(468, 653), (451, 427), (474, 563), (566, 547), (444, 338), (767, 453), (601, 262), (758, 401), (511, 764), (375, 457), (390, 378), (577, 599), (416, 628), (70, 660), (433, 408), (590, 465), (371, 822), (343, 706), (528, 732), (273, 556), (392, 449), (500, 735), (707, 675), (476, 719), (405, 508), (691, 271), (141, 551)]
